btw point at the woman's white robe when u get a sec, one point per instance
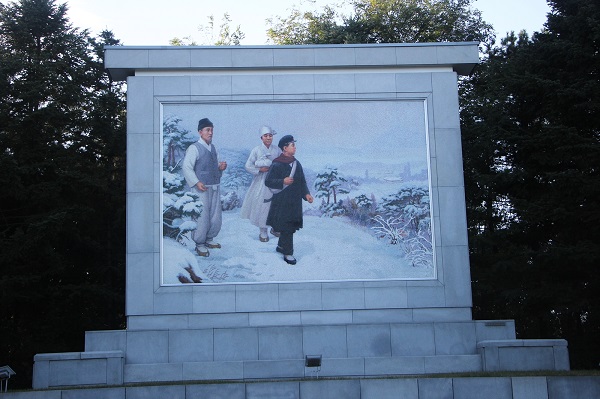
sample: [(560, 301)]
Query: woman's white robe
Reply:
[(254, 207)]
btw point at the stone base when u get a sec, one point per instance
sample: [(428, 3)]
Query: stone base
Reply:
[(516, 387), (285, 369), (78, 368), (244, 352), (524, 354)]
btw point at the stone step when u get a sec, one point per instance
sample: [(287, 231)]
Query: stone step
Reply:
[(294, 342), (295, 368), (253, 352), (517, 386)]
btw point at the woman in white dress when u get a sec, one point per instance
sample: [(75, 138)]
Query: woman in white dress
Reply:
[(257, 202)]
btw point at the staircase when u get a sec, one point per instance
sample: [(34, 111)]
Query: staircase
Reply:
[(252, 353)]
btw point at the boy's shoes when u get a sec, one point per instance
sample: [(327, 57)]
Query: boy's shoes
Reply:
[(212, 244), (201, 250), (263, 239), (275, 233), (290, 260)]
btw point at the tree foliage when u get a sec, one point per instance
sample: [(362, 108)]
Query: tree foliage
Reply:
[(530, 132), (383, 21), (226, 36), (62, 152), (329, 184), (412, 202)]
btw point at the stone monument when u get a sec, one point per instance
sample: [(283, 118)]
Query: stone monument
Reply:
[(387, 117)]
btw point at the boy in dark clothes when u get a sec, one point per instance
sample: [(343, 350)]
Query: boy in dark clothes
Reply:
[(285, 216)]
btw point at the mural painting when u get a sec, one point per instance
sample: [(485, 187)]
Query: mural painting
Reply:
[(365, 165)]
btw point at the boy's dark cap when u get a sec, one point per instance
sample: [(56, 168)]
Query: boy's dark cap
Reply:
[(285, 140)]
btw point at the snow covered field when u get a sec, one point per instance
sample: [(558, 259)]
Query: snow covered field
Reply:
[(327, 249)]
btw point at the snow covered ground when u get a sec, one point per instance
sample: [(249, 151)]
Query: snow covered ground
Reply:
[(327, 249)]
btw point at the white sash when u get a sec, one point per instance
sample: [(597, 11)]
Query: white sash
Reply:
[(278, 190)]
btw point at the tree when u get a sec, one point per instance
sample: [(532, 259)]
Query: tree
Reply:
[(361, 209), (329, 183), (531, 127), (384, 21), (62, 218), (410, 205), (186, 41), (175, 141), (225, 37)]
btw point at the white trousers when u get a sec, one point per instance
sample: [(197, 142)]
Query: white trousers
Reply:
[(208, 224)]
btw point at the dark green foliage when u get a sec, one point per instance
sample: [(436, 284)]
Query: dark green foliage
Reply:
[(384, 21), (531, 145), (62, 156)]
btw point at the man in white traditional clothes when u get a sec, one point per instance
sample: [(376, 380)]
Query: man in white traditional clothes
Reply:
[(258, 198), (202, 171)]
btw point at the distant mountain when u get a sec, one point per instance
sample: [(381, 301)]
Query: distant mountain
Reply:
[(374, 170)]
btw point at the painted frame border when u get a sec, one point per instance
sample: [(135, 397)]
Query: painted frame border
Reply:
[(367, 105)]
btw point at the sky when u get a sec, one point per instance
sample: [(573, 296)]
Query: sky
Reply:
[(154, 23), (236, 127)]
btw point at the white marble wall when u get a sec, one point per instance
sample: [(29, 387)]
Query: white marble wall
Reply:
[(157, 75)]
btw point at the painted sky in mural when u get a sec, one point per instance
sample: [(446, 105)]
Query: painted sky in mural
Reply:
[(377, 228)]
